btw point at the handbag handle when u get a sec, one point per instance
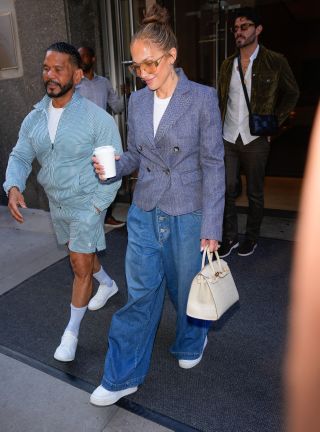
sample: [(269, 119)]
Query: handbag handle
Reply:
[(244, 87), (207, 253)]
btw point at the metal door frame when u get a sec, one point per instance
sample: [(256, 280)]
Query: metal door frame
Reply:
[(112, 12)]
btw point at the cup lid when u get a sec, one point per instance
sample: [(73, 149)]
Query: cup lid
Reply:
[(104, 148)]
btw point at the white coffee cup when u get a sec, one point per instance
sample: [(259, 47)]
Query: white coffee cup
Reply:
[(105, 156)]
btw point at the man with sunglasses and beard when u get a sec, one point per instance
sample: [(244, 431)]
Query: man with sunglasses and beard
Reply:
[(61, 133), (272, 90)]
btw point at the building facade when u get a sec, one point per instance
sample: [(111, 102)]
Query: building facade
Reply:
[(28, 27)]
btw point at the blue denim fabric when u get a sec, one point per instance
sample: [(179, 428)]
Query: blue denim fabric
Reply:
[(163, 252)]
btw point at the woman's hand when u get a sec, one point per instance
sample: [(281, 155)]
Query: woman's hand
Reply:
[(213, 245), (99, 168)]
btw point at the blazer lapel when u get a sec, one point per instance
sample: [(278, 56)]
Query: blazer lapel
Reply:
[(146, 108), (178, 104)]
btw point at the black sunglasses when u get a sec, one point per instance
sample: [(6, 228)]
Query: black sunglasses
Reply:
[(242, 27)]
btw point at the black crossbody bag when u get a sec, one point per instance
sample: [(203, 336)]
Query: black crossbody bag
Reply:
[(259, 124)]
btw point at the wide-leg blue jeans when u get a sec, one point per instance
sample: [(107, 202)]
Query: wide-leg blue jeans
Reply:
[(163, 252)]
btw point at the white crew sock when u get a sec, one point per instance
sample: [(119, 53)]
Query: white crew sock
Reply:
[(75, 319), (103, 278)]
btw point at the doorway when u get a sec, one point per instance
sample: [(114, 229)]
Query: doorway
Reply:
[(202, 28), (120, 19)]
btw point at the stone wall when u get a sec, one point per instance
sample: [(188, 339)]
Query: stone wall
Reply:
[(40, 23), (84, 26)]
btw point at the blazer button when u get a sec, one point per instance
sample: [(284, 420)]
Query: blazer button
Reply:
[(176, 149), (166, 171), (140, 148), (148, 169)]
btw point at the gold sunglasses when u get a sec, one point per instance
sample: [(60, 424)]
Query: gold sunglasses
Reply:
[(149, 66)]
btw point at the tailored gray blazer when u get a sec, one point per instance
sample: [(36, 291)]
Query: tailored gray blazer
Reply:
[(181, 169)]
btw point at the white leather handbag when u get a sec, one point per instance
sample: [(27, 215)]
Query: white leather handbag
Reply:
[(213, 290)]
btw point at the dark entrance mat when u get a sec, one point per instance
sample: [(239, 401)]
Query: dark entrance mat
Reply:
[(237, 385)]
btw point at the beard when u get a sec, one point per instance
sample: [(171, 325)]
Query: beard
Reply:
[(86, 66), (63, 89), (242, 42)]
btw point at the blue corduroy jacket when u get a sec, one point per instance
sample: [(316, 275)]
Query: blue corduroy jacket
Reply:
[(66, 172)]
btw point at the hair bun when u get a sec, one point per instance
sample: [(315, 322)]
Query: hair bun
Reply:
[(156, 14)]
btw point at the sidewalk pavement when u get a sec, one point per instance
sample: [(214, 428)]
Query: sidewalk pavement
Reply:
[(31, 400)]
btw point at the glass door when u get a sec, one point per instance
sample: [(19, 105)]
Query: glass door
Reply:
[(204, 40), (202, 29), (120, 19)]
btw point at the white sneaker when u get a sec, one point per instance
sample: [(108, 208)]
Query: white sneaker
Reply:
[(188, 364), (103, 294), (66, 351), (104, 397)]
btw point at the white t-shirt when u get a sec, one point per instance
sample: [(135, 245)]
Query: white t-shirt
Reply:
[(237, 116), (159, 107), (54, 115)]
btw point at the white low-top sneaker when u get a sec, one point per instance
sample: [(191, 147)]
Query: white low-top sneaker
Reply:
[(104, 397), (66, 351), (188, 364), (103, 294)]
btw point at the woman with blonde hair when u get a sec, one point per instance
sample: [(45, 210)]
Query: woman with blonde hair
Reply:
[(175, 141)]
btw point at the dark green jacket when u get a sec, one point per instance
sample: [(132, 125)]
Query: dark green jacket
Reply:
[(274, 89)]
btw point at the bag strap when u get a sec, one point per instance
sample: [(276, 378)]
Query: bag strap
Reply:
[(208, 254), (244, 86)]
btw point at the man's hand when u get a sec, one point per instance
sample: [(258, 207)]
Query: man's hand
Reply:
[(16, 200), (213, 244)]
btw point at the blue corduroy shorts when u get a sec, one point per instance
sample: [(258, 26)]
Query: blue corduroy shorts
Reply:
[(81, 229)]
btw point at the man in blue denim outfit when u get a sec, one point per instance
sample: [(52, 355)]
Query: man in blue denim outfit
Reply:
[(61, 133)]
